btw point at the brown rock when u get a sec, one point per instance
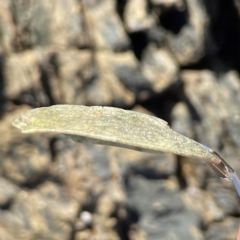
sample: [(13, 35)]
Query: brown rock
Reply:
[(214, 103), (204, 203), (223, 230), (24, 159), (22, 78), (7, 28), (68, 74), (136, 16), (211, 99), (45, 213)]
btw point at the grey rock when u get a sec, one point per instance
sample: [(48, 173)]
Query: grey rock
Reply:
[(107, 88), (73, 166), (68, 74), (104, 25), (223, 230), (159, 68), (194, 172), (206, 93), (8, 191), (44, 23), (162, 212), (181, 120), (154, 166), (204, 203), (188, 46), (225, 195), (125, 67)]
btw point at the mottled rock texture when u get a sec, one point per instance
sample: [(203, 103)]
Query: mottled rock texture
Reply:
[(174, 59)]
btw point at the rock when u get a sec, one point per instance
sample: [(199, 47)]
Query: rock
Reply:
[(136, 16), (151, 166), (24, 159), (47, 23), (188, 45), (225, 195), (8, 191), (167, 3), (206, 94), (34, 211), (204, 203), (161, 210), (105, 223), (67, 74), (7, 28), (107, 88), (223, 230), (79, 52), (159, 68), (197, 85), (126, 68), (73, 167), (22, 79), (181, 120), (104, 25), (237, 4), (193, 172)]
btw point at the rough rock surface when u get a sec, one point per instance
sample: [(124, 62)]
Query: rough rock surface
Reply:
[(177, 60)]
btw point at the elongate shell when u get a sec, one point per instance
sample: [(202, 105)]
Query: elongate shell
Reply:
[(112, 126)]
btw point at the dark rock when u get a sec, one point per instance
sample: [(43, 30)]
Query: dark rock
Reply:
[(188, 45), (193, 172), (237, 4), (153, 166), (162, 212)]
